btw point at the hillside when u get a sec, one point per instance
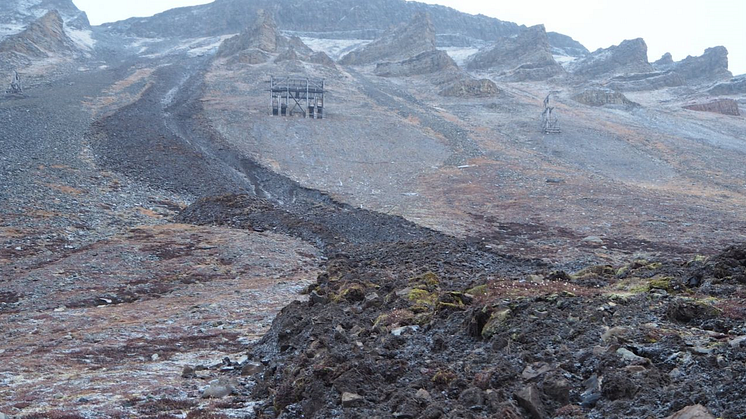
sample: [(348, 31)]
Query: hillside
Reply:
[(169, 248)]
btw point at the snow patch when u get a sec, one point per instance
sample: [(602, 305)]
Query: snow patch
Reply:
[(83, 38), (460, 54), (564, 60), (334, 48)]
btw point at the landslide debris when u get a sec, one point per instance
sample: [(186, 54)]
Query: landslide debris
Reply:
[(425, 325)]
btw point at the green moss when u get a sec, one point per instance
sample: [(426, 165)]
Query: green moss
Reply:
[(422, 297), (350, 292), (428, 280), (479, 290), (660, 283), (495, 323), (443, 377), (595, 271)]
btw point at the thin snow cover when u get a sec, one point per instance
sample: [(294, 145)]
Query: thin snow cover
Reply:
[(334, 48), (460, 54), (564, 60), (206, 46), (7, 29), (82, 37)]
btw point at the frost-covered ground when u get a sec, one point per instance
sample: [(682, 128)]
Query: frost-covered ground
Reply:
[(334, 48)]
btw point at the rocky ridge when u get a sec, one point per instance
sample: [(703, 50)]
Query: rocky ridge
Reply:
[(631, 56), (404, 42), (526, 56)]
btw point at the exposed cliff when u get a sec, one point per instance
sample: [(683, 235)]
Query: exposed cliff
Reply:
[(631, 56), (404, 42)]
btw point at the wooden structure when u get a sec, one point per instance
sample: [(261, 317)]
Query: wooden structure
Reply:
[(302, 95), (549, 122), (15, 85)]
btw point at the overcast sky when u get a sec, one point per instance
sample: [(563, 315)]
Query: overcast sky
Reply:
[(681, 27)]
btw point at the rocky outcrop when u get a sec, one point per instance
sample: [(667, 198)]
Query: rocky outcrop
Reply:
[(735, 86), (255, 44), (710, 66), (631, 56), (17, 14), (527, 56), (646, 81), (565, 45), (603, 97), (402, 43), (262, 35), (469, 87), (425, 63), (41, 38), (664, 63), (721, 106)]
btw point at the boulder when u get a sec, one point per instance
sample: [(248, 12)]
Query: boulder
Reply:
[(218, 389), (631, 56), (527, 56), (721, 106), (470, 87), (351, 399), (696, 411), (404, 42), (601, 97), (529, 398), (425, 63)]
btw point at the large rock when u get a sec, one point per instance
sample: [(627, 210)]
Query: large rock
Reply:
[(710, 66), (603, 97), (692, 412), (41, 38), (529, 398), (631, 56), (721, 106), (402, 43), (426, 63), (527, 56), (466, 86)]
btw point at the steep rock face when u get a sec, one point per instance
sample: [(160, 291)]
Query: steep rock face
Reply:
[(262, 35), (41, 38), (231, 16), (631, 56), (735, 86), (425, 63), (710, 66), (564, 45), (404, 42), (527, 56), (646, 81), (603, 97), (721, 106)]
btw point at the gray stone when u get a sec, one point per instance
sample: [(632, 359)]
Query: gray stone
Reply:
[(351, 399), (251, 368), (737, 342), (423, 395), (218, 389), (696, 411), (529, 398), (472, 397)]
